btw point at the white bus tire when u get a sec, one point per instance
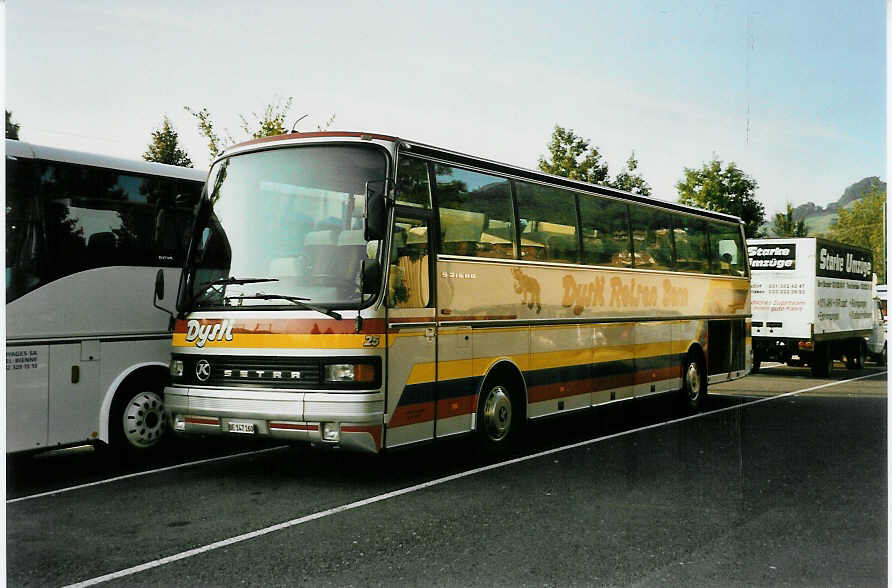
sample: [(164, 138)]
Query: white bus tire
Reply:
[(138, 423)]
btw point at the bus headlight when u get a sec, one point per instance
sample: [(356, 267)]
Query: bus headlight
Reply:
[(176, 368), (349, 372)]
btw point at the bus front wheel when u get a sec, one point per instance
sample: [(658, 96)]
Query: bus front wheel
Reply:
[(497, 417), (138, 421)]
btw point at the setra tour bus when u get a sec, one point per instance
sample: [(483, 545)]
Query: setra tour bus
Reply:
[(369, 292), (86, 352)]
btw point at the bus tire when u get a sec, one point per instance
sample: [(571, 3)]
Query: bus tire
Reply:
[(138, 422), (757, 364), (693, 382), (498, 416)]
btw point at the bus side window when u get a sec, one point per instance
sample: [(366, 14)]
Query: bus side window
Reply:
[(726, 249), (550, 223), (476, 214), (690, 244), (605, 232), (652, 238)]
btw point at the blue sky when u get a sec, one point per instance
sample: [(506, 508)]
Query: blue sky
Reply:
[(793, 92)]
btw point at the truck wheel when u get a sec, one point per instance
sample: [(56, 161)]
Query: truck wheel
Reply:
[(856, 355), (821, 361), (693, 383), (757, 364)]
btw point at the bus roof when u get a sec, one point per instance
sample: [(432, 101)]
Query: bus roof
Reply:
[(456, 157), (31, 151)]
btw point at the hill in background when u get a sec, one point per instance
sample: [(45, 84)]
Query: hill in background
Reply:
[(820, 219)]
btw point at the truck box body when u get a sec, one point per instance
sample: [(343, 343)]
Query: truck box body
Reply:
[(808, 291)]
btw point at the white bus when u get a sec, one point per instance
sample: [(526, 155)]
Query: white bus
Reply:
[(371, 292), (86, 351)]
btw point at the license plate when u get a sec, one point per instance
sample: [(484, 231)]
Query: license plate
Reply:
[(241, 428)]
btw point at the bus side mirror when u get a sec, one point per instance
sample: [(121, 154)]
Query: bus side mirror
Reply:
[(159, 285), (371, 276), (159, 295), (375, 213)]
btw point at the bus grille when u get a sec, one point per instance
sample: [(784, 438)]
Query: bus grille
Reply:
[(268, 372)]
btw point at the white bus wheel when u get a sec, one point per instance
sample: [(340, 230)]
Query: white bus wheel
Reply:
[(139, 422)]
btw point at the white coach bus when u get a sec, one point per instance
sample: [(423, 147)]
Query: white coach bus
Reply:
[(371, 292), (86, 351)]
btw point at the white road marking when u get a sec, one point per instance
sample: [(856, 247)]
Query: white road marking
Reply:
[(145, 473), (381, 497)]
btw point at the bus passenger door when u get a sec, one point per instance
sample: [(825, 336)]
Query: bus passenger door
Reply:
[(411, 332)]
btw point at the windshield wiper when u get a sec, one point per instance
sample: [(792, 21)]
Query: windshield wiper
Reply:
[(301, 302), (232, 280)]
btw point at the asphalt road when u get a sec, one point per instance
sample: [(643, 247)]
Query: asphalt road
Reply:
[(769, 488)]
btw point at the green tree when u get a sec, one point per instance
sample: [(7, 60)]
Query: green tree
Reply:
[(571, 157), (629, 180), (785, 225), (727, 190), (206, 129), (862, 225), (12, 128), (164, 147), (270, 123)]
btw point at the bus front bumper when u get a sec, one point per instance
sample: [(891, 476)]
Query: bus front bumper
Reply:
[(352, 420)]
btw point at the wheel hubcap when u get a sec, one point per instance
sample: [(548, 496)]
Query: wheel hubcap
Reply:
[(497, 414), (143, 420), (693, 379)]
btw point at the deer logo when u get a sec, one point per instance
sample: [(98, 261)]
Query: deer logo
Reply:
[(528, 288)]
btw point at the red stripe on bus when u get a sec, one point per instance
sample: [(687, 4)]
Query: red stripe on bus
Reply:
[(294, 427), (451, 407), (565, 389), (412, 414), (201, 421), (294, 326), (374, 431)]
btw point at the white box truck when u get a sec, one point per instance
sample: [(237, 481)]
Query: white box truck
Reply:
[(812, 302)]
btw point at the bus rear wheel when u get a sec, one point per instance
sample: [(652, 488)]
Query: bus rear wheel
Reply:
[(138, 420), (693, 383)]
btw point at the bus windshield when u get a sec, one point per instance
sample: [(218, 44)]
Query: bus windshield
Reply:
[(285, 223)]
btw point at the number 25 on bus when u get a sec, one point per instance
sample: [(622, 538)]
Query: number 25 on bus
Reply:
[(369, 292)]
